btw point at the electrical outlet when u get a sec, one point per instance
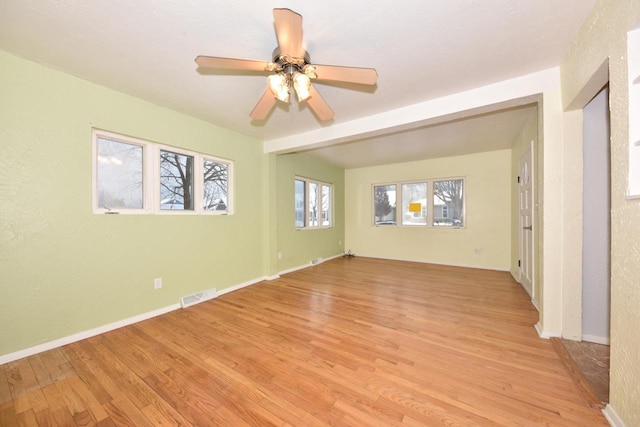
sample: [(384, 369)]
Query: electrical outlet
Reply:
[(157, 283), (279, 255)]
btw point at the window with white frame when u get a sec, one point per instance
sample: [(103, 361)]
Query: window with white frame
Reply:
[(414, 203), (449, 197), (119, 174), (384, 204), (435, 203), (136, 176), (313, 203)]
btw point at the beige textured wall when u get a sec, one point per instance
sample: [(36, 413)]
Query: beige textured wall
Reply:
[(485, 240), (604, 36)]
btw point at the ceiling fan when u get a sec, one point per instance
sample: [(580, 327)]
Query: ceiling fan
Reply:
[(291, 68)]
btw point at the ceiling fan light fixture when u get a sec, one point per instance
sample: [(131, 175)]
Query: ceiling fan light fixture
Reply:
[(310, 71), (302, 86), (280, 86)]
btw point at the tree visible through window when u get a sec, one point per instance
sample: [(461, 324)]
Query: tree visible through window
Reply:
[(137, 176), (448, 195), (216, 179), (384, 204), (176, 181), (438, 203)]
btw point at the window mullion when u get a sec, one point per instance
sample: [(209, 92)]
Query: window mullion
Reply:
[(307, 201), (149, 193), (319, 205), (430, 204), (198, 183)]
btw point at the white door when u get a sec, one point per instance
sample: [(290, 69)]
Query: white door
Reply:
[(525, 186)]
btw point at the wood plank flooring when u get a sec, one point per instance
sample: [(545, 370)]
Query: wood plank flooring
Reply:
[(350, 342)]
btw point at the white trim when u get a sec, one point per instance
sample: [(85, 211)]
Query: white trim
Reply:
[(546, 334), (300, 267), (514, 276), (596, 339), (6, 358), (535, 304), (612, 416), (242, 285), (479, 267), (10, 357)]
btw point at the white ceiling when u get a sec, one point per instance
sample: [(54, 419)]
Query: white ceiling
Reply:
[(422, 49)]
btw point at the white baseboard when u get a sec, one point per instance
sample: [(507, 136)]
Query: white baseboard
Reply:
[(10, 357), (242, 285), (595, 339), (479, 267), (300, 267), (535, 304), (612, 416), (546, 334), (6, 358)]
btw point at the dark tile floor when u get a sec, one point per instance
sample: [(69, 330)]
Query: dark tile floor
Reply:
[(593, 361)]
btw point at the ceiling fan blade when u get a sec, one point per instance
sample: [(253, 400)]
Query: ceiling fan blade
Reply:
[(363, 76), (232, 64), (319, 105), (289, 32), (264, 105)]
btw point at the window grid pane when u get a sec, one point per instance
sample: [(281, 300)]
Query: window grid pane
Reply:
[(448, 203), (326, 205), (414, 203), (385, 204), (299, 203), (176, 181), (215, 186), (119, 175), (313, 204)]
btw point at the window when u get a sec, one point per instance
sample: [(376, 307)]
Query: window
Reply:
[(176, 181), (135, 176), (414, 203), (326, 204), (384, 204), (216, 185), (313, 203), (119, 174), (299, 201), (447, 195), (437, 203)]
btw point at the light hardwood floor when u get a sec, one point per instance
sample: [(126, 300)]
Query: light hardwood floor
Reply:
[(350, 342)]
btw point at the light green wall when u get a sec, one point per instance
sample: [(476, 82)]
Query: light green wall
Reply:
[(602, 40), (485, 242), (299, 247), (64, 270)]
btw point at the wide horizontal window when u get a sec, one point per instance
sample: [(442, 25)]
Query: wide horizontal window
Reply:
[(436, 203), (136, 176)]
